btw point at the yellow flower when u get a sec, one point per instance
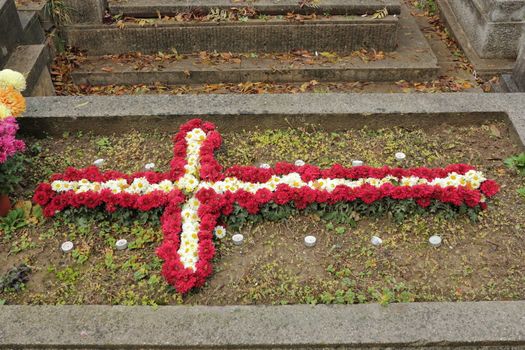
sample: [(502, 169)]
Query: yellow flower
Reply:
[(13, 100)]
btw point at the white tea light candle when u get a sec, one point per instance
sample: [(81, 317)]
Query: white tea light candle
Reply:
[(435, 241), (99, 162), (400, 156), (310, 241), (265, 166), (121, 244), (357, 163), (149, 166), (376, 241), (67, 247), (299, 162), (238, 239)]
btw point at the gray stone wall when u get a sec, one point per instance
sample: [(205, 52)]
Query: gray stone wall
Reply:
[(86, 11), (10, 29), (493, 26)]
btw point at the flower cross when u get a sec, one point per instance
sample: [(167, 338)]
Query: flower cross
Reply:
[(196, 193)]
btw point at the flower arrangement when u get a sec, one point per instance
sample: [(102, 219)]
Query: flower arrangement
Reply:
[(198, 197), (12, 105)]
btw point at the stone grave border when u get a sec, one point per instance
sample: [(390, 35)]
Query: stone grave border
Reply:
[(469, 325)]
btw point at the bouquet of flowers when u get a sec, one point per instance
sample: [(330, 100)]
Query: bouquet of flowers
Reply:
[(12, 105)]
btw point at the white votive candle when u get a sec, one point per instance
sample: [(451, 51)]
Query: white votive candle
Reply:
[(310, 241), (238, 239), (435, 241), (99, 162), (67, 247), (400, 156), (376, 241), (357, 163), (121, 244)]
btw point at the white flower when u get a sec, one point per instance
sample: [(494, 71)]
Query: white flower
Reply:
[(149, 166), (139, 185), (220, 232), (9, 77)]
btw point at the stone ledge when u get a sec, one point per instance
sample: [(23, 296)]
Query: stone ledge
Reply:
[(149, 8), (112, 114), (414, 325)]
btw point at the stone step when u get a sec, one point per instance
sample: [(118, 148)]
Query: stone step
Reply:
[(412, 60), (31, 61), (42, 10), (338, 33), (33, 33), (10, 29), (151, 8)]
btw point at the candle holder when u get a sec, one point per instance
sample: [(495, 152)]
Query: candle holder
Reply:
[(376, 241), (121, 244), (435, 241), (310, 241), (238, 239), (67, 247), (99, 162), (400, 156)]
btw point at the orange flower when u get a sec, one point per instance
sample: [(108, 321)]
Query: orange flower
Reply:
[(13, 100)]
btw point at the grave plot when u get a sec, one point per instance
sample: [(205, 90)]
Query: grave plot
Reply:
[(273, 265)]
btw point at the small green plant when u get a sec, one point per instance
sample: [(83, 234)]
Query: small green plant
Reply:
[(521, 191), (517, 163), (428, 5), (10, 173), (15, 279), (15, 220)]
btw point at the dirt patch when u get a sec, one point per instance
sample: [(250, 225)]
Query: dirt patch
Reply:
[(481, 260)]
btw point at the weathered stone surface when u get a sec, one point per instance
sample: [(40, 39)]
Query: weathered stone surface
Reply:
[(114, 114), (151, 8), (31, 61), (414, 60), (86, 11), (415, 325), (490, 39), (342, 34), (10, 29), (503, 10), (33, 33), (518, 74)]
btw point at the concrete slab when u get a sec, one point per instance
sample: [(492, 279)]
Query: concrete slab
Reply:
[(151, 8), (114, 114), (341, 34), (485, 67), (31, 61), (412, 60), (482, 325)]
